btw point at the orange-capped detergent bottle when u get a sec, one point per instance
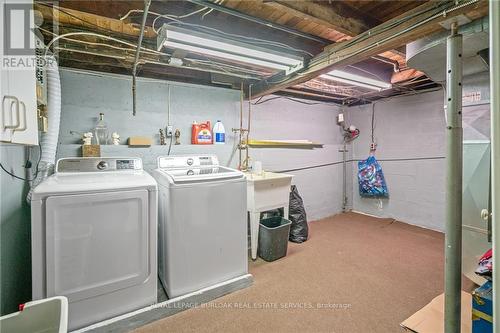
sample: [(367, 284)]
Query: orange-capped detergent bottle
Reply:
[(201, 134)]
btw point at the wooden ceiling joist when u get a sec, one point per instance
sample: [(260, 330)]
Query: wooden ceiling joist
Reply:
[(334, 15), (76, 18), (337, 16), (414, 24)]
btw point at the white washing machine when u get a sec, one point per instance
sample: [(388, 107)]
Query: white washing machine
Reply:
[(94, 237), (202, 223)]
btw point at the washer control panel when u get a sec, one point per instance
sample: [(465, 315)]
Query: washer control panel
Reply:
[(98, 164), (125, 164), (175, 162)]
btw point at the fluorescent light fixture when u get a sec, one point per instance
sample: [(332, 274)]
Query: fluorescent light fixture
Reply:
[(196, 42), (357, 80)]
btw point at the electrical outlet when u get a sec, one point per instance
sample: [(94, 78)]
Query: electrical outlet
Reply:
[(170, 131), (340, 118)]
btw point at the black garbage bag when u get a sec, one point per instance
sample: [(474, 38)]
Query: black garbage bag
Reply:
[(297, 214)]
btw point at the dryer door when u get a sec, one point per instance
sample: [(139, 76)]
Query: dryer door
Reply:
[(96, 243)]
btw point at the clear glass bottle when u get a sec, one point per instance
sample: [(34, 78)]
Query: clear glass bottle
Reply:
[(101, 131)]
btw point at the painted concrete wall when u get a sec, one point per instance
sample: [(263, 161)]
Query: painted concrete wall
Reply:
[(321, 187), (84, 95), (15, 240), (410, 135), (412, 128)]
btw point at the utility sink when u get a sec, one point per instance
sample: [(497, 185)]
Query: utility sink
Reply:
[(266, 176), (266, 191)]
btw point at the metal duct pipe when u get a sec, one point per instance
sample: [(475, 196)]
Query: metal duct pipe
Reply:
[(495, 150), (394, 63), (453, 227), (147, 3)]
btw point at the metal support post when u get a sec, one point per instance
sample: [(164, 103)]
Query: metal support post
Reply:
[(495, 151), (454, 146)]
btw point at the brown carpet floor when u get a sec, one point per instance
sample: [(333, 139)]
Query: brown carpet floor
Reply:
[(354, 274)]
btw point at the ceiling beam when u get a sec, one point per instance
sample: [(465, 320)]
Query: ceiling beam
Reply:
[(335, 15), (394, 33), (232, 12), (76, 18)]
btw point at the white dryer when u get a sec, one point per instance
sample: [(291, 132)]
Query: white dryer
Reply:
[(202, 227), (94, 237)]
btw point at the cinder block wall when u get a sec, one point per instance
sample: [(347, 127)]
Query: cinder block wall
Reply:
[(410, 135), (15, 228)]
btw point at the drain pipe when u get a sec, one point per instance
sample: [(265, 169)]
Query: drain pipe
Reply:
[(344, 176), (454, 146), (246, 163), (242, 95), (147, 3), (495, 151)]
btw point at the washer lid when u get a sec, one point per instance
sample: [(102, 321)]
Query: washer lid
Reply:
[(90, 182), (198, 175)]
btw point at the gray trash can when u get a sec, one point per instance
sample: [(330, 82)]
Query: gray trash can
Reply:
[(273, 238)]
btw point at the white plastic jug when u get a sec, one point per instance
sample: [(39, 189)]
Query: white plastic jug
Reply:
[(219, 133)]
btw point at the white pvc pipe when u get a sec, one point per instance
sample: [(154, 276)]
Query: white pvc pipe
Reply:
[(48, 141)]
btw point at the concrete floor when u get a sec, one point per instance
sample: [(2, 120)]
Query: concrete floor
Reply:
[(354, 274)]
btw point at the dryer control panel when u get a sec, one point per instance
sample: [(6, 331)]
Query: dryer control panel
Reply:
[(98, 164)]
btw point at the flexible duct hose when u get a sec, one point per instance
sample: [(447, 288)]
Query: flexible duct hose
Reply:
[(48, 141)]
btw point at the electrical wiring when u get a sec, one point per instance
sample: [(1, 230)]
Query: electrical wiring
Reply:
[(101, 44), (260, 101), (373, 122), (173, 17), (218, 2), (438, 10), (246, 70), (251, 40), (358, 160), (152, 62), (176, 20), (36, 168), (167, 15), (388, 98), (133, 47), (363, 36), (170, 17), (206, 70), (218, 66), (83, 33), (75, 17)]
